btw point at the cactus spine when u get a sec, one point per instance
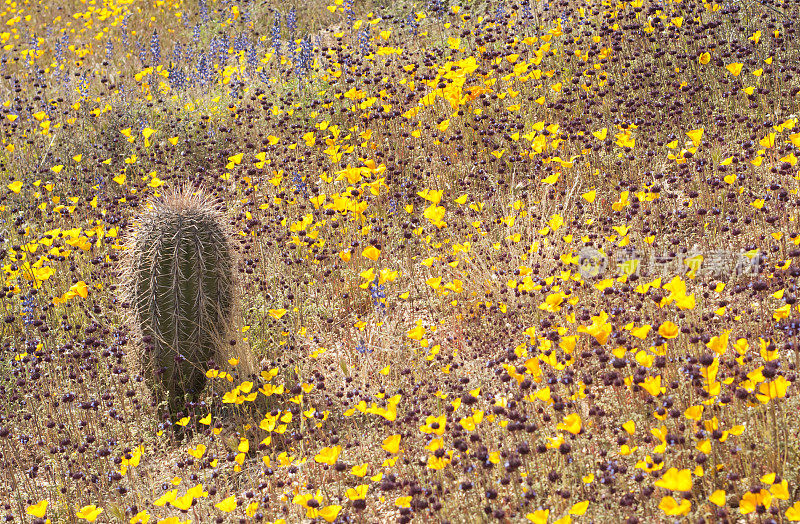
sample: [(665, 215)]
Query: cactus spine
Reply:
[(180, 285)]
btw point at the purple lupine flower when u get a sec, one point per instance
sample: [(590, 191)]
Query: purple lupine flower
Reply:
[(155, 48), (276, 34)]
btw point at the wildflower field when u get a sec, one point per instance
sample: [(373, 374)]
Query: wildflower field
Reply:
[(494, 261)]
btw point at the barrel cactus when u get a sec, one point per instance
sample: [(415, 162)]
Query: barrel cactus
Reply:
[(179, 283)]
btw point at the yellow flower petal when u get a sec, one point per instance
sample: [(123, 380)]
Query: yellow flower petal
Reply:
[(227, 505)]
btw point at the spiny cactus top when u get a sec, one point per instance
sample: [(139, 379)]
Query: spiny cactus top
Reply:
[(180, 285)]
